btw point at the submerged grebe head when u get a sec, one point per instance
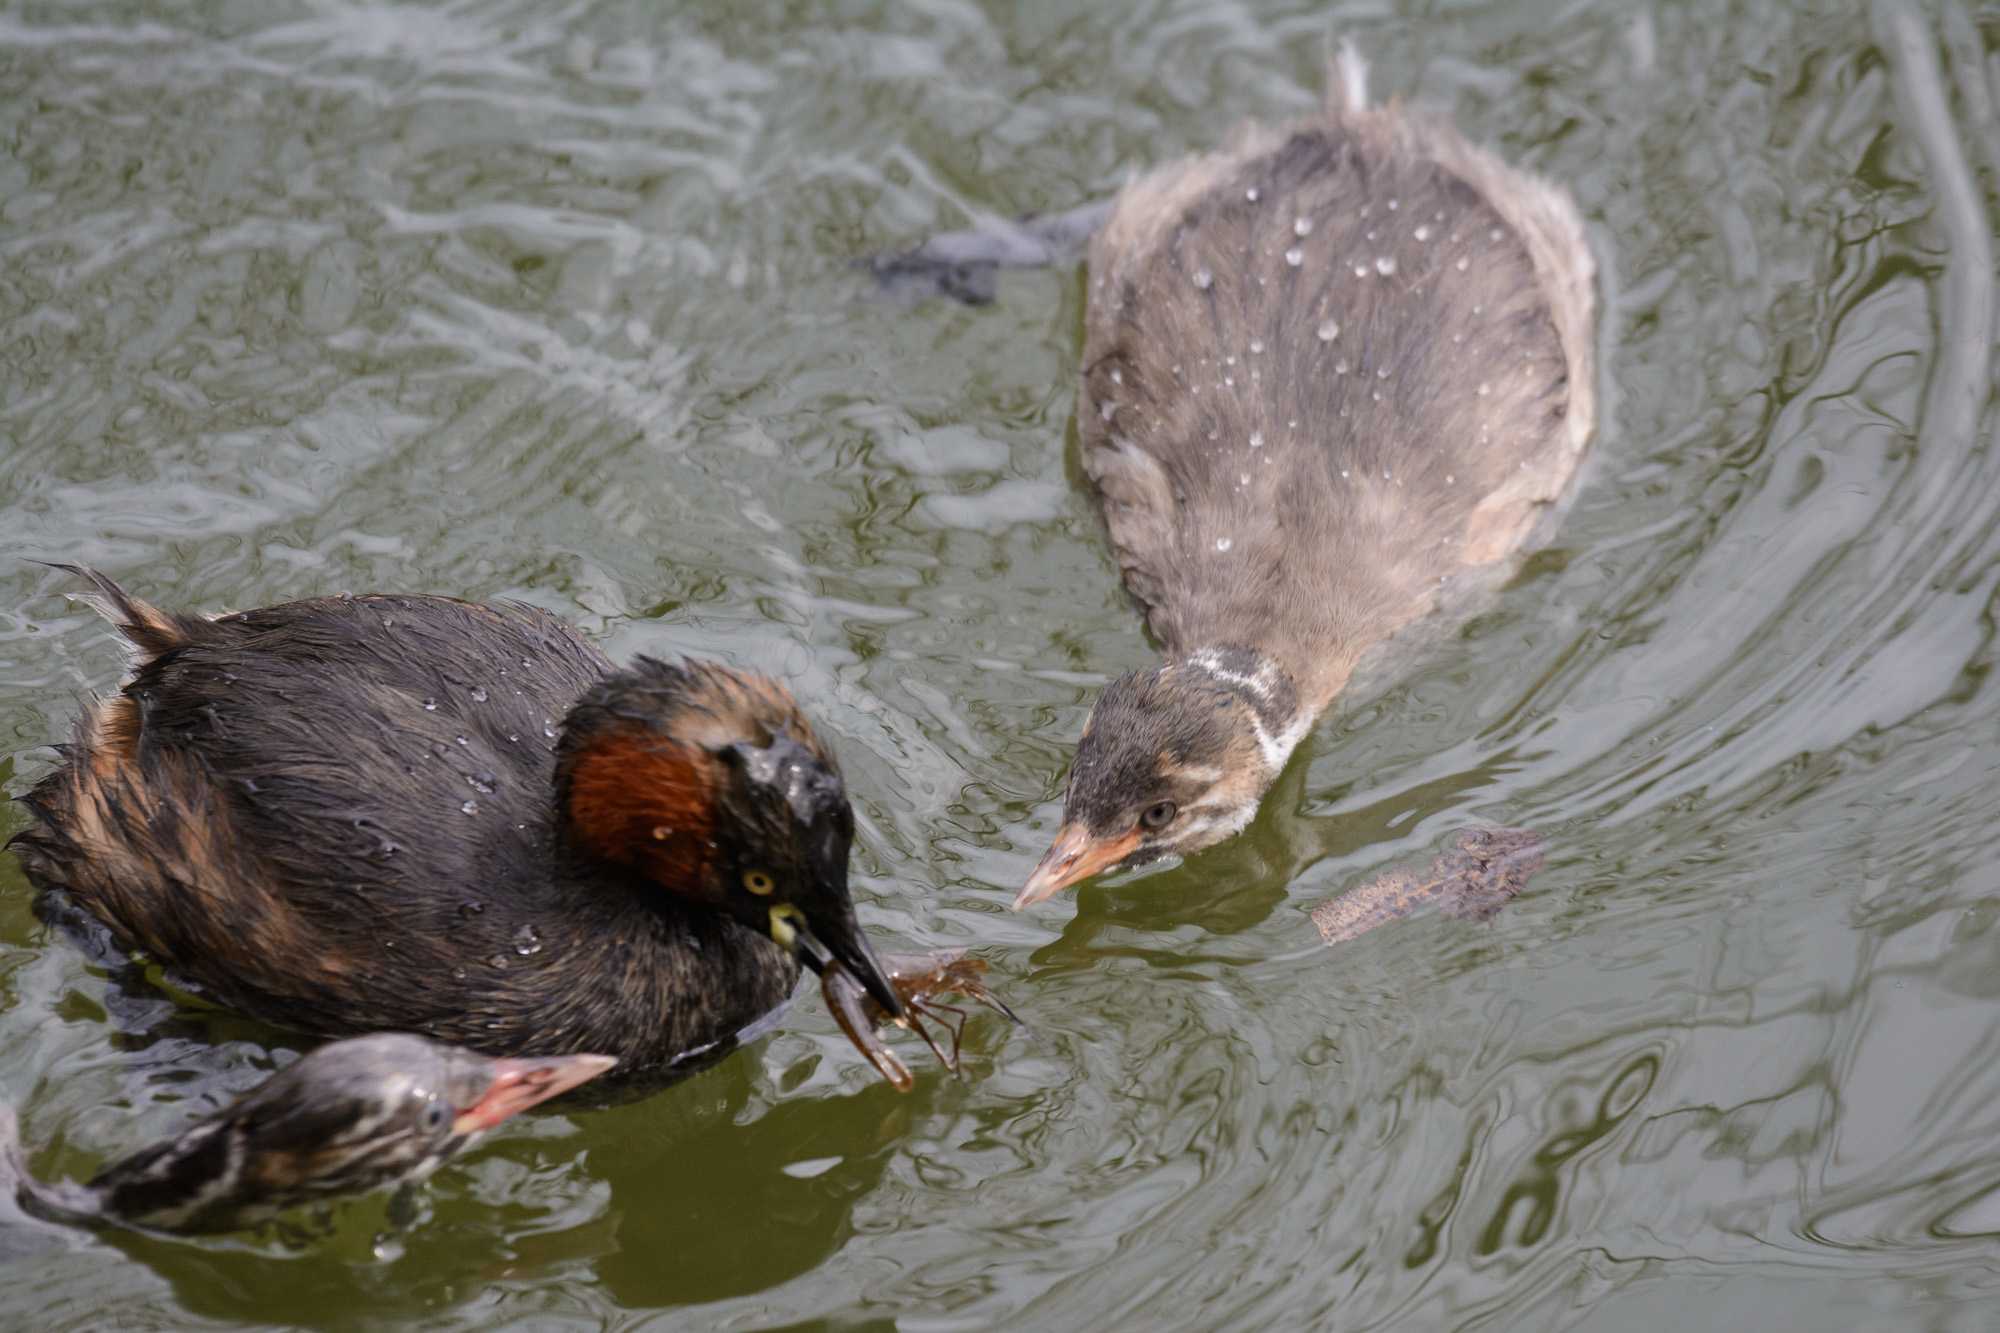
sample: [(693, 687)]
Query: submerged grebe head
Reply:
[(710, 783), (391, 1106), (1171, 761)]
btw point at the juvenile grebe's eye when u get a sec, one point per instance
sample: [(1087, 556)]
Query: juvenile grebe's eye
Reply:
[(434, 1115), (759, 883), (1159, 815)]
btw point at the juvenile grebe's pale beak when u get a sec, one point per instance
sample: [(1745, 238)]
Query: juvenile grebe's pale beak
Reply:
[(1076, 855), (520, 1084)]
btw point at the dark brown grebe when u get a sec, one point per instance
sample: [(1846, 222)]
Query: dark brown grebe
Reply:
[(389, 813), (353, 1116), (1325, 373)]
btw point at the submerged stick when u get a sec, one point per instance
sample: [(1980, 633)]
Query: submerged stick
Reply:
[(1481, 874)]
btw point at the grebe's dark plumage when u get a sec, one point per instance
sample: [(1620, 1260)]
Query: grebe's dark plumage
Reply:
[(350, 1117), (1326, 372), (355, 814)]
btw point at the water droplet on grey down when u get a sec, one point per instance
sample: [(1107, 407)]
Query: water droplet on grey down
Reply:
[(1256, 346), (482, 782), (549, 730), (469, 808), (1223, 543), (526, 942), (1256, 439), (461, 740), (1251, 194), (1385, 265), (1203, 278), (1422, 233), (478, 695), (1295, 256), (1117, 375), (1302, 226), (430, 705), (470, 908), (1462, 264), (1328, 331)]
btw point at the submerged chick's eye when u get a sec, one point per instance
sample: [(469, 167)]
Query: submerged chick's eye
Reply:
[(759, 883), (1159, 815)]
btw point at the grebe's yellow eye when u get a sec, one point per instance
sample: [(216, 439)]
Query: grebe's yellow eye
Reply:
[(759, 883)]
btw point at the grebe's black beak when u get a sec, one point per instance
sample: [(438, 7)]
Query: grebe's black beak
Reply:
[(833, 938)]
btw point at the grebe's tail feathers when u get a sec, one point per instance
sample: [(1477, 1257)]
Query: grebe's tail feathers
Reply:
[(150, 629), (1347, 81)]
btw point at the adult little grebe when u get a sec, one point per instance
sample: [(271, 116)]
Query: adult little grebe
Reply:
[(350, 1117), (358, 814), (1324, 373)]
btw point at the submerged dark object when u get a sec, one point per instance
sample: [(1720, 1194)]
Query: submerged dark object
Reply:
[(1484, 870), (1328, 372), (919, 979), (390, 813), (350, 1117), (965, 266)]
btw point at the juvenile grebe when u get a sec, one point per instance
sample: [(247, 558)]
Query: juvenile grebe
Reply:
[(350, 1117), (1325, 373), (398, 813)]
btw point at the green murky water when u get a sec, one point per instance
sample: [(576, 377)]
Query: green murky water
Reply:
[(549, 300)]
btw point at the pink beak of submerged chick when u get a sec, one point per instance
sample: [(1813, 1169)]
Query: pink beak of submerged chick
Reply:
[(520, 1084), (1076, 855)]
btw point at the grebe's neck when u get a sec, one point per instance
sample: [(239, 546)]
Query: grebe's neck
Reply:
[(1278, 716)]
